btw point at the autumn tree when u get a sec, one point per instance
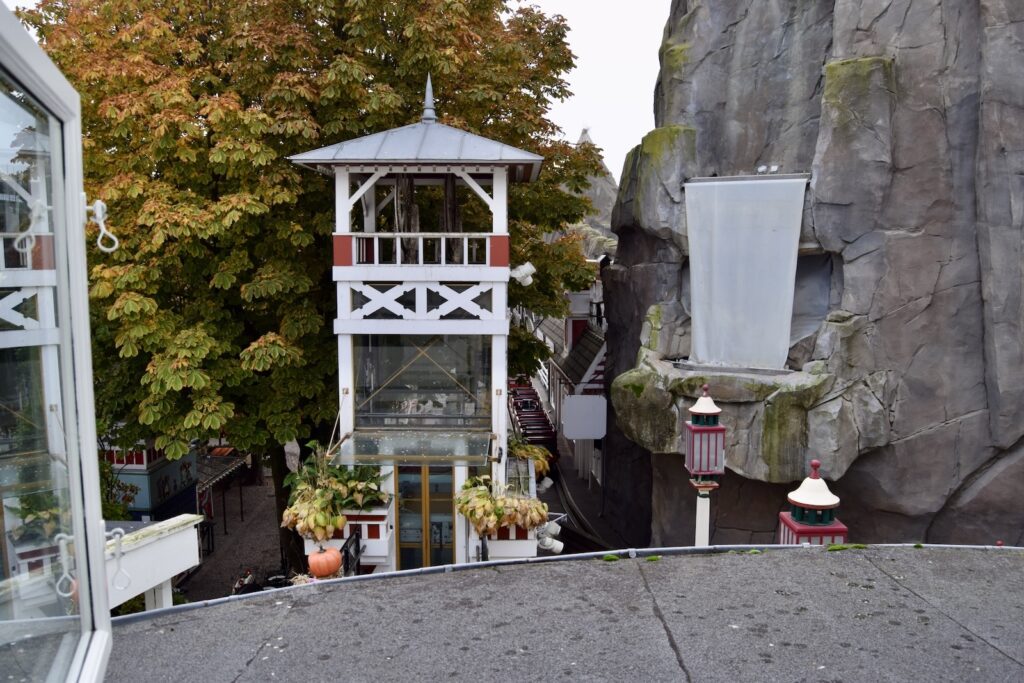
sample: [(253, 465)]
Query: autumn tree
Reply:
[(213, 318)]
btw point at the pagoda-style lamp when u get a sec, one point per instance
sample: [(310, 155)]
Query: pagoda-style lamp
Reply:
[(812, 514), (705, 459)]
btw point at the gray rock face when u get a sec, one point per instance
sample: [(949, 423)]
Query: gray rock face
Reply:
[(909, 114)]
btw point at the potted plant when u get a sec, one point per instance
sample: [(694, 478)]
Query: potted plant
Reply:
[(42, 518), (328, 503), (505, 518), (317, 498), (541, 456), (476, 503)]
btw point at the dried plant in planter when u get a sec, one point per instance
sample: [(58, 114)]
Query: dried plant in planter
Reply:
[(541, 456), (488, 512), (321, 492), (42, 517)]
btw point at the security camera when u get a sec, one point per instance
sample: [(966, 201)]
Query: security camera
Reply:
[(524, 274), (550, 544), (544, 484), (551, 529)]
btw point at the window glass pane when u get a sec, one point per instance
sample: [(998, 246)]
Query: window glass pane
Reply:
[(425, 381), (39, 622)]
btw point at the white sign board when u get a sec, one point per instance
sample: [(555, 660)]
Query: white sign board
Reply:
[(584, 417)]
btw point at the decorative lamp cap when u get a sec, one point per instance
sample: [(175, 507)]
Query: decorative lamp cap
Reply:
[(814, 493), (429, 115), (705, 405)]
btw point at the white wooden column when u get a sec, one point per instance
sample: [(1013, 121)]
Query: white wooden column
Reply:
[(499, 398), (346, 385), (342, 205), (460, 532), (346, 370), (702, 533), (369, 201), (160, 596), (499, 201), (51, 373)]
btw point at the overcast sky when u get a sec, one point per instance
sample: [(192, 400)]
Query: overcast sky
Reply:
[(616, 46)]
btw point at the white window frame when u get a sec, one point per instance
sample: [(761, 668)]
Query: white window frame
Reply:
[(26, 62)]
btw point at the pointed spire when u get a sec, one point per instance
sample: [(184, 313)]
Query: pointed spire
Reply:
[(428, 103), (815, 464)]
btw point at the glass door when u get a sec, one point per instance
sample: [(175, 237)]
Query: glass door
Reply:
[(426, 516), (54, 624)]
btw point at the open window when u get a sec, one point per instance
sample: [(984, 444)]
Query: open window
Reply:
[(54, 621)]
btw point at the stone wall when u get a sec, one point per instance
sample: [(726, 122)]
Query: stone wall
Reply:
[(909, 114)]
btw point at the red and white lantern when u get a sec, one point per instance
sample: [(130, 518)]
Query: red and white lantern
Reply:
[(705, 439), (811, 517)]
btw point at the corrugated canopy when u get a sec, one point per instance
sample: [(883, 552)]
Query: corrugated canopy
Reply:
[(425, 143)]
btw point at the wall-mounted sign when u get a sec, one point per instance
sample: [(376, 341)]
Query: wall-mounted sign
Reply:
[(583, 417)]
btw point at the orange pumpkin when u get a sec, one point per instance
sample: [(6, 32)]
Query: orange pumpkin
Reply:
[(324, 562)]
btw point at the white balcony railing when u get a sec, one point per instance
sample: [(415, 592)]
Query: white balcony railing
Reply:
[(423, 249)]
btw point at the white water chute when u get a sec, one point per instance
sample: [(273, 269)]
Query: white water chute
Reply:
[(744, 234)]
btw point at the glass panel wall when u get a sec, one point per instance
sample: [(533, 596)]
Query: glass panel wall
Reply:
[(426, 517), (439, 382), (39, 623)]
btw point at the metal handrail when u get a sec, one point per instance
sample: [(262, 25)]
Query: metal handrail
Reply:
[(351, 554)]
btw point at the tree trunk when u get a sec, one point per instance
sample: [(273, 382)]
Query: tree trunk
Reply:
[(293, 556)]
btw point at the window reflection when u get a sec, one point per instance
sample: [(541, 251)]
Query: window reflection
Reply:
[(423, 381), (36, 577)]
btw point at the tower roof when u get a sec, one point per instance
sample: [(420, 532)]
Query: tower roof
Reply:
[(426, 143), (813, 492), (705, 405)]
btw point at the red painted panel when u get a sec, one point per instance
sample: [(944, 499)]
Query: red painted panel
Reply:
[(343, 250), (499, 251), (578, 327), (798, 532)]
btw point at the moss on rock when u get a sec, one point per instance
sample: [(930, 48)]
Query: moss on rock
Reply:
[(674, 58), (652, 328), (645, 411), (784, 427), (661, 145), (849, 83)]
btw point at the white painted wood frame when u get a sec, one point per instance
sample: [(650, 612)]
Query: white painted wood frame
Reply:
[(26, 62)]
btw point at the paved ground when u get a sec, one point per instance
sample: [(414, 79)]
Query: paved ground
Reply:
[(884, 613), (251, 544)]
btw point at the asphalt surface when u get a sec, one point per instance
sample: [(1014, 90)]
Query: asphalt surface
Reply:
[(249, 544), (802, 614)]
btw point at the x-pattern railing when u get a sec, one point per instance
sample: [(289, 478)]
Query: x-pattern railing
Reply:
[(452, 300)]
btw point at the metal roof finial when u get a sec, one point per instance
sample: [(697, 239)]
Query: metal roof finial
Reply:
[(428, 103)]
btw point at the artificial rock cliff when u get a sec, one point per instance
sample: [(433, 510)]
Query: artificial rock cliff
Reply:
[(908, 380)]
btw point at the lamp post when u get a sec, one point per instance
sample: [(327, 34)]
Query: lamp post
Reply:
[(705, 459)]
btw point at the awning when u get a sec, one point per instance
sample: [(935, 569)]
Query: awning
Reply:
[(214, 469), (420, 447)]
